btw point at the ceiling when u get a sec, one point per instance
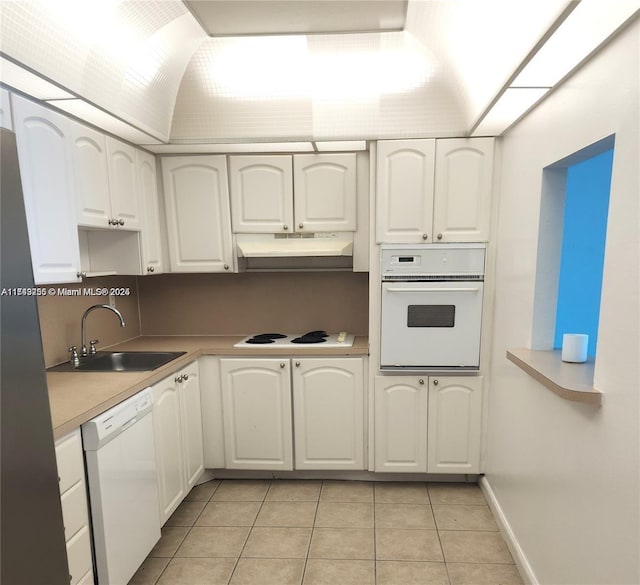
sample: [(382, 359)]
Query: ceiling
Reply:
[(220, 71), (257, 17)]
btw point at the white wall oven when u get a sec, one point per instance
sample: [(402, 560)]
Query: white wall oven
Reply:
[(431, 307)]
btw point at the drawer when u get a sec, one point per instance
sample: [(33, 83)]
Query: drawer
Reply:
[(74, 509), (69, 459), (79, 556), (87, 579)]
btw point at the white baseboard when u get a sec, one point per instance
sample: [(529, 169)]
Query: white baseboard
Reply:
[(510, 538)]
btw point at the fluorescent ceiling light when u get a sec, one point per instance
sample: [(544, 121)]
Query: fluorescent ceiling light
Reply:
[(589, 25), (101, 119), (342, 145), (512, 104), (19, 78), (231, 148)]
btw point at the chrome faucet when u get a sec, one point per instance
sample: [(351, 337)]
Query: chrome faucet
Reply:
[(83, 350)]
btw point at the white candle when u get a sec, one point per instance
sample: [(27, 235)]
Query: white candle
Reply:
[(574, 347)]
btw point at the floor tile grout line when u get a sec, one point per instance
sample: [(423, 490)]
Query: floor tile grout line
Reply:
[(313, 528)]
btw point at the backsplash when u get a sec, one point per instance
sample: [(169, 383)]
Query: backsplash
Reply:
[(60, 316), (223, 304)]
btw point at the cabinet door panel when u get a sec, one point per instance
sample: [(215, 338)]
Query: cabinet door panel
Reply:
[(464, 175), (325, 192), (400, 424), (169, 451), (404, 201), (147, 181), (256, 397), (123, 183), (91, 176), (328, 400), (191, 423), (198, 218), (455, 419), (261, 194), (47, 183)]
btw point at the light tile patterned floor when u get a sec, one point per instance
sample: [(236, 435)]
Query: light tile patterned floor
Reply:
[(281, 532)]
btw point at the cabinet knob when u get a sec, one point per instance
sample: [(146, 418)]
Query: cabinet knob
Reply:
[(421, 381), (282, 364), (439, 236), (121, 222), (81, 274), (285, 226), (425, 236), (297, 364), (300, 225), (178, 379), (435, 382), (226, 267), (151, 269), (185, 377)]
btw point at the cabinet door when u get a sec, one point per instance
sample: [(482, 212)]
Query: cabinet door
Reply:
[(47, 183), (256, 401), (455, 422), (261, 194), (191, 423), (5, 110), (324, 192), (91, 176), (123, 183), (462, 201), (167, 429), (198, 217), (404, 200), (150, 236), (400, 424), (328, 413)]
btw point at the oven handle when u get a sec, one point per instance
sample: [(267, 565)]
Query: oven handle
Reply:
[(391, 289)]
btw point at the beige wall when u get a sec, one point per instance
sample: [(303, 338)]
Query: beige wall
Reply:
[(565, 474), (60, 317), (205, 304)]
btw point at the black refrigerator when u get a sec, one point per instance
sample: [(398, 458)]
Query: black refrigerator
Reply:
[(32, 544)]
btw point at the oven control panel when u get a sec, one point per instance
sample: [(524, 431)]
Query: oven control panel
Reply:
[(429, 260)]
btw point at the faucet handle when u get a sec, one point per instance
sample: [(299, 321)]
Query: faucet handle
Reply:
[(92, 347), (74, 360)]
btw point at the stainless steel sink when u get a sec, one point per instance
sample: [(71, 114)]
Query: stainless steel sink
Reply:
[(120, 361)]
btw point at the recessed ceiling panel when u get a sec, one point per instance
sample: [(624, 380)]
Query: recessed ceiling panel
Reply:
[(256, 17)]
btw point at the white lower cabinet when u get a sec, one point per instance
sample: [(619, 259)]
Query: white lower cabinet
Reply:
[(75, 514), (177, 427), (256, 399), (328, 413), (428, 425)]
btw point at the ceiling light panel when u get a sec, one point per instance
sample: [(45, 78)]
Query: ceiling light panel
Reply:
[(513, 103), (19, 78)]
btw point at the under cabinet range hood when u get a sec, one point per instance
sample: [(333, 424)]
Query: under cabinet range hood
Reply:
[(321, 251)]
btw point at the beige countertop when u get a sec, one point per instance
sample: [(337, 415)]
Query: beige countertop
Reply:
[(76, 397)]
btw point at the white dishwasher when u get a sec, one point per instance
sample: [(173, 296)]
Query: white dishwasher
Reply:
[(123, 487)]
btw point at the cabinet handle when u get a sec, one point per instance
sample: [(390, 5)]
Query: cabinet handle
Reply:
[(226, 267), (151, 269), (425, 236), (421, 381), (121, 222), (282, 364), (286, 227), (185, 377), (178, 379), (435, 382), (300, 225), (297, 364), (111, 221), (439, 236)]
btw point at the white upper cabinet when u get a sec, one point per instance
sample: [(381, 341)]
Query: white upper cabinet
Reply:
[(261, 194), (324, 192), (464, 175), (256, 402), (5, 110), (404, 206), (328, 413), (151, 241), (434, 190), (198, 216), (400, 424), (123, 183), (47, 184), (455, 424)]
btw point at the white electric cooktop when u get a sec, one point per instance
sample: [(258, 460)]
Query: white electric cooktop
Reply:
[(316, 339)]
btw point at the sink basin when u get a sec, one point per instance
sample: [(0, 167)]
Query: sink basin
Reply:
[(121, 361)]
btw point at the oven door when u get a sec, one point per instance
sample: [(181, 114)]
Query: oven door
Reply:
[(431, 325)]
